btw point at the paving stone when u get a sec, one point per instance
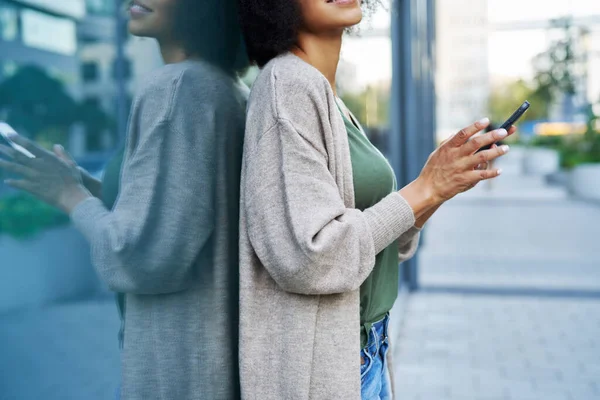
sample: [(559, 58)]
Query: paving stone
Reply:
[(60, 352), (529, 328)]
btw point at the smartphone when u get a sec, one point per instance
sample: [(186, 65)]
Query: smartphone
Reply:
[(7, 132), (510, 121), (516, 116)]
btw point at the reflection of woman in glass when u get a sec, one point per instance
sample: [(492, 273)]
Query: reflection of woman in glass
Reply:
[(323, 225), (170, 241)]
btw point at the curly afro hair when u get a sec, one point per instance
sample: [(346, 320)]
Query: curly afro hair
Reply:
[(271, 26)]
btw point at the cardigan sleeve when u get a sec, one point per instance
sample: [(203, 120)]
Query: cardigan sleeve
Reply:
[(164, 215), (298, 225), (408, 244)]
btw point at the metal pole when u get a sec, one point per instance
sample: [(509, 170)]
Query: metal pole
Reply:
[(395, 135), (412, 113), (120, 39), (413, 98), (432, 50), (403, 112)]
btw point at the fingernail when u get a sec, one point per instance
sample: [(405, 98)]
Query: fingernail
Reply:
[(484, 121), (502, 133), (499, 172), (505, 148)]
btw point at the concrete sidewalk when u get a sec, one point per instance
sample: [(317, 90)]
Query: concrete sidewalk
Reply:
[(478, 347), (63, 352), (510, 306)]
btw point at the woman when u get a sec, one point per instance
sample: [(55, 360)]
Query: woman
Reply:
[(170, 242), (323, 226)]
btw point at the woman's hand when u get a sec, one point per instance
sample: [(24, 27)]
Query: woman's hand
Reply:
[(47, 176), (92, 184), (455, 167)]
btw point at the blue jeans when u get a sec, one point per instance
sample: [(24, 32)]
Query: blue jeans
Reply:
[(374, 376)]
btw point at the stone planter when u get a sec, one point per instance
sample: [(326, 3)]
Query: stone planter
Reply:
[(53, 266), (560, 178), (512, 163), (585, 181), (541, 162)]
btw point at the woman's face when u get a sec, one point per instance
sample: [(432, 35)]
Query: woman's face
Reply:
[(152, 18), (322, 16)]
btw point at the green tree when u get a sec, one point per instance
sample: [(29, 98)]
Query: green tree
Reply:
[(557, 73), (560, 68), (505, 98), (371, 106), (34, 102), (39, 106), (592, 118), (23, 216)]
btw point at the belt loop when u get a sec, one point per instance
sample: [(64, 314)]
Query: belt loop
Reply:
[(375, 336), (384, 333), (386, 325)]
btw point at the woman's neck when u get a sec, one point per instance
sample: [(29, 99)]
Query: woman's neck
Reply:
[(173, 53), (322, 52)]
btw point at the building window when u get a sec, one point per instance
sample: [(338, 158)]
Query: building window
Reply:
[(69, 8), (100, 7), (9, 23), (49, 33), (89, 71)]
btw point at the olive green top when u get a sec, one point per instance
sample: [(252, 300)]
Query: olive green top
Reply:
[(374, 179)]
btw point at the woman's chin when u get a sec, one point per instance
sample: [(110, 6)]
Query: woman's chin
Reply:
[(351, 17), (137, 28)]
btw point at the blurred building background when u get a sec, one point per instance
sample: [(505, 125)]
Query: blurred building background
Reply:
[(74, 43), (463, 75), (502, 301), (26, 39)]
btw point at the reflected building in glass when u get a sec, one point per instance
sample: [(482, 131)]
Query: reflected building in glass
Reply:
[(75, 41), (99, 57), (40, 32)]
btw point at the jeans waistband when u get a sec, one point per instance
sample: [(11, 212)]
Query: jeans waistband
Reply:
[(378, 332)]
